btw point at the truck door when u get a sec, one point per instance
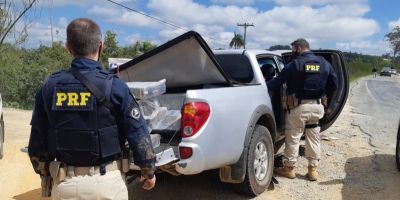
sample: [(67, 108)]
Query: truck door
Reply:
[(279, 112), (338, 99)]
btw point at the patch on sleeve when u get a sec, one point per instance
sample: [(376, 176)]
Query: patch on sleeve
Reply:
[(72, 99), (135, 113)]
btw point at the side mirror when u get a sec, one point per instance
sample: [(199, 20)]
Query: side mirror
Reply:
[(268, 70)]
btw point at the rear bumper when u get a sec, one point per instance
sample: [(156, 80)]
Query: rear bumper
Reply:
[(193, 165)]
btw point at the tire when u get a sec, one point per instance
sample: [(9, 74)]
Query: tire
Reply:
[(257, 179), (1, 137), (398, 148)]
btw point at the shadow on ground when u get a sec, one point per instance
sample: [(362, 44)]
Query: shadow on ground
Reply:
[(202, 186), (35, 194), (371, 177)]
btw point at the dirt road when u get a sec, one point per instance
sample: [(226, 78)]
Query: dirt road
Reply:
[(358, 162), (17, 179)]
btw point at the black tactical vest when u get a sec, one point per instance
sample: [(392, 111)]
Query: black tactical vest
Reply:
[(82, 132), (309, 75)]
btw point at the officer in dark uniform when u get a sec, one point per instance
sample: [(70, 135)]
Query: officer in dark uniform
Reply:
[(374, 71), (82, 119), (308, 78)]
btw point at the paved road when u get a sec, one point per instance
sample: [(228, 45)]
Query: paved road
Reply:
[(377, 103)]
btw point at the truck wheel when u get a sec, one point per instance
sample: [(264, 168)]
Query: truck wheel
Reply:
[(259, 163), (1, 137)]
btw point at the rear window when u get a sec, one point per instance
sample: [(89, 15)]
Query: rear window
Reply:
[(237, 67)]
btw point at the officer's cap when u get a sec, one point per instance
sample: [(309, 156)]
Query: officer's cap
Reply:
[(301, 42)]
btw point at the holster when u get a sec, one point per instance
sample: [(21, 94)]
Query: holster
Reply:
[(126, 160), (47, 185), (292, 102), (284, 102), (324, 101), (46, 182), (57, 171)]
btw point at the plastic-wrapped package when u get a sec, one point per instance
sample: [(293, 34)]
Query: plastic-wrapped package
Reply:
[(160, 114), (144, 90), (155, 140), (170, 121)]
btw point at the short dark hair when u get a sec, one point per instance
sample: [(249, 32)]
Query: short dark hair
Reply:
[(302, 43), (83, 37)]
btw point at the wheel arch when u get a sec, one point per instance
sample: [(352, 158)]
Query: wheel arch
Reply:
[(236, 172)]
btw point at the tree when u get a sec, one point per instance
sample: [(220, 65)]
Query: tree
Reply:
[(110, 47), (279, 47), (147, 46), (9, 16), (237, 41), (112, 50), (143, 47), (394, 39)]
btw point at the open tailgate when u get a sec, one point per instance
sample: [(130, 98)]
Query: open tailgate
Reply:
[(184, 61)]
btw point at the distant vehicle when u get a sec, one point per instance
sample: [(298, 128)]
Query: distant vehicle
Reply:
[(393, 71), (386, 71), (398, 148), (1, 128)]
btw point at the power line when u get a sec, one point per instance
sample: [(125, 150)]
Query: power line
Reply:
[(245, 25), (155, 18), (147, 15)]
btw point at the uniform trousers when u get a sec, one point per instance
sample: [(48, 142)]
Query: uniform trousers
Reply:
[(81, 184), (308, 112)]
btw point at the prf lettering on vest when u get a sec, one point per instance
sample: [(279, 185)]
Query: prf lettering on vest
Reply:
[(312, 68), (72, 98)]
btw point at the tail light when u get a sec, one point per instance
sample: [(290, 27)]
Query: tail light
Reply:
[(185, 152), (194, 115)]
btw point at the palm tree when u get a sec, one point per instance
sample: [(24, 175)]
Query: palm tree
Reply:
[(237, 41)]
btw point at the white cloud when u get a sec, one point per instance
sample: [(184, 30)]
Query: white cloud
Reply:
[(187, 12), (322, 22), (280, 25), (236, 2), (40, 33), (315, 2), (63, 22), (393, 24), (366, 47), (122, 17), (85, 3)]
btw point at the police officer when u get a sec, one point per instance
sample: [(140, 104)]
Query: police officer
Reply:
[(81, 122), (374, 70), (308, 78)]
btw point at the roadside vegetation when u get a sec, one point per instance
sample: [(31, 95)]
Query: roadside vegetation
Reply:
[(361, 65), (22, 71)]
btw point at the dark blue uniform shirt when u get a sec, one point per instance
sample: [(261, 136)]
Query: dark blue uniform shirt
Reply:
[(131, 129), (289, 75)]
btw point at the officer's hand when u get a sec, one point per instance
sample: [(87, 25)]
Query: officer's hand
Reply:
[(148, 184)]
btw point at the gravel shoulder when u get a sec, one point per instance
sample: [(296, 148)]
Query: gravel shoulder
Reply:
[(360, 163)]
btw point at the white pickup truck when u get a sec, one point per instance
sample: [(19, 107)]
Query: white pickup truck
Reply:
[(229, 120)]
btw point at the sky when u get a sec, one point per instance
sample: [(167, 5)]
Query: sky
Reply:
[(347, 25)]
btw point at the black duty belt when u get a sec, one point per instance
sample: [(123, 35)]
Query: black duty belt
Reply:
[(309, 126)]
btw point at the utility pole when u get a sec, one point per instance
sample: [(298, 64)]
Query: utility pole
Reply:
[(245, 25)]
